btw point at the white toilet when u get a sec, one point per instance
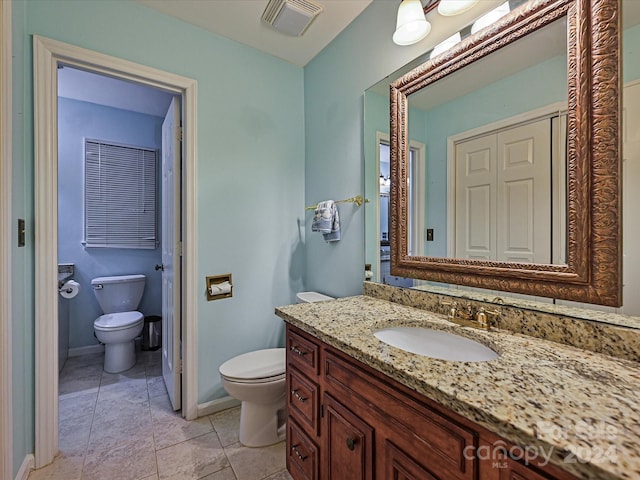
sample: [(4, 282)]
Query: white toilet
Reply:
[(311, 297), (119, 296), (258, 380)]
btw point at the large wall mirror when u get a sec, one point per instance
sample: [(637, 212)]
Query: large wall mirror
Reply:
[(504, 153)]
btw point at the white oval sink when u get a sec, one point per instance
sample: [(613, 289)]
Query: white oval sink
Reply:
[(436, 344)]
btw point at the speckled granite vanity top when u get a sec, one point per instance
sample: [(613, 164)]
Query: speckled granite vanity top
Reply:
[(581, 406)]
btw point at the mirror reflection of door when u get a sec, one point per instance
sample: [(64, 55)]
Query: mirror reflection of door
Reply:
[(507, 183), (417, 195)]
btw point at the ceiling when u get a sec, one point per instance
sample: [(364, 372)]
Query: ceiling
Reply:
[(240, 20)]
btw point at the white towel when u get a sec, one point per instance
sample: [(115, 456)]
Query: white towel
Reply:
[(326, 220)]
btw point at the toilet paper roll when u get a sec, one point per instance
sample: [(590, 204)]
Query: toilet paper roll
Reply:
[(70, 289), (220, 288)]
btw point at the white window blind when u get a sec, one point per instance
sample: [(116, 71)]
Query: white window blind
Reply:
[(120, 196)]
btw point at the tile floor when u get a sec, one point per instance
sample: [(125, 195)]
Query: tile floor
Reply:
[(122, 427)]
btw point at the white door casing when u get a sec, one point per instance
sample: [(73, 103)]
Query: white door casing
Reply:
[(47, 55), (171, 160)]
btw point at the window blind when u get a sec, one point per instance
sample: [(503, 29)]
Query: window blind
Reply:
[(120, 196)]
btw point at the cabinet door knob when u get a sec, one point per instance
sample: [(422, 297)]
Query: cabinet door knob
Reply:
[(295, 349), (298, 396), (351, 443), (295, 450)]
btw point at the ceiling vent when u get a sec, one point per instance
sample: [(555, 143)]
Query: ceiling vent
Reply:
[(292, 17)]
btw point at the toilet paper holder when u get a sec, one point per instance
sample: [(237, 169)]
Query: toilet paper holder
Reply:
[(219, 286)]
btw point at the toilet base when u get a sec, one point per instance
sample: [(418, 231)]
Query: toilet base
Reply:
[(119, 357), (259, 424)]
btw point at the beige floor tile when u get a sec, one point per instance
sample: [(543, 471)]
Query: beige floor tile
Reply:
[(63, 468), (154, 370), (227, 425), (73, 435), (77, 406), (226, 474), (170, 430), (137, 370), (114, 408), (283, 475), (192, 459), (120, 431), (127, 462), (132, 389), (81, 385), (256, 463), (156, 386)]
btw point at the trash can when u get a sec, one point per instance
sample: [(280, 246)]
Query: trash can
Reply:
[(152, 333)]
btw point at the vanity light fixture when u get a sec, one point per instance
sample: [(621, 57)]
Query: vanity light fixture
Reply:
[(490, 17), (411, 25), (449, 8), (446, 45)]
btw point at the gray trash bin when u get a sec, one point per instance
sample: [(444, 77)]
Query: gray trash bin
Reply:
[(152, 333)]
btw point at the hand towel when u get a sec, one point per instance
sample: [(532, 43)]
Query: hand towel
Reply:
[(326, 220)]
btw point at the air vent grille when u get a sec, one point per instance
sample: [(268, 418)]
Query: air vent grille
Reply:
[(292, 17)]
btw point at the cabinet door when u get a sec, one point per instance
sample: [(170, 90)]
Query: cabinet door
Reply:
[(348, 443), (400, 466)]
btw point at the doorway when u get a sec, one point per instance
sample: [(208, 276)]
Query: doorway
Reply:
[(48, 55)]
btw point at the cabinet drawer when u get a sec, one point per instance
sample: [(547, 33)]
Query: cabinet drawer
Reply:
[(302, 454), (304, 397), (302, 353), (416, 426)]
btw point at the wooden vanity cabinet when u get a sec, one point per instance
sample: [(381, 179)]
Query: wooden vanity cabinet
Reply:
[(346, 421)]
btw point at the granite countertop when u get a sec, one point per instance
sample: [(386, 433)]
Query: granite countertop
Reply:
[(578, 408)]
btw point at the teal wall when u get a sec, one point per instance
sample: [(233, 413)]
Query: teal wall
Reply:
[(22, 267), (250, 176), (334, 83)]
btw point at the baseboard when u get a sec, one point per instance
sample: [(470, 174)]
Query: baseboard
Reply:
[(27, 465), (216, 406), (88, 350)]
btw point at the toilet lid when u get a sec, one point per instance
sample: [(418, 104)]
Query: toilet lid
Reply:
[(117, 321), (254, 365)]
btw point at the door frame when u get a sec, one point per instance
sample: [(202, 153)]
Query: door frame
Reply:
[(6, 219), (47, 53)]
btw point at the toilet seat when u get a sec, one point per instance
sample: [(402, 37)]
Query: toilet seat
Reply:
[(111, 322), (260, 366)]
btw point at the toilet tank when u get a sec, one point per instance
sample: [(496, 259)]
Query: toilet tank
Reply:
[(119, 293), (311, 297)]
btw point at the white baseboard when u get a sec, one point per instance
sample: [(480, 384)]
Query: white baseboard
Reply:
[(88, 350), (27, 465), (216, 406)]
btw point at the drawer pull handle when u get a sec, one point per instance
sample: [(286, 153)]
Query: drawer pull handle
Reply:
[(295, 349), (295, 450), (298, 396), (351, 443)]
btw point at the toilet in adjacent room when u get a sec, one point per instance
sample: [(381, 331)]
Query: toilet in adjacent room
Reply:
[(258, 380), (119, 296)]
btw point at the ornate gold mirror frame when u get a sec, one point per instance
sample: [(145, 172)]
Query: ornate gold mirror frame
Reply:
[(593, 272)]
